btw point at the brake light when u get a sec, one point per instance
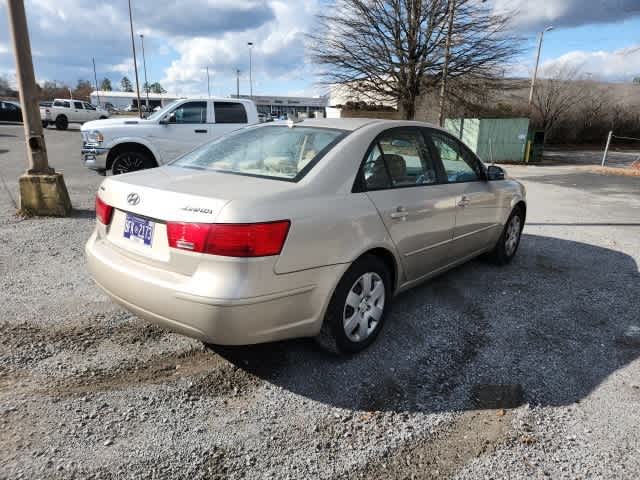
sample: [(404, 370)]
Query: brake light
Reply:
[(228, 239), (104, 212)]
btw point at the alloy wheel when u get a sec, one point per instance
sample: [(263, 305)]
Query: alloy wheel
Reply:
[(513, 235), (364, 307), (128, 163)]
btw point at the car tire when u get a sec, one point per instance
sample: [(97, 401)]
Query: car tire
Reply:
[(62, 123), (357, 311), (45, 124), (509, 241), (102, 118), (131, 161)]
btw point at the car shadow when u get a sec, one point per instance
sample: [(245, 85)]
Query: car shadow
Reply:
[(546, 330), (83, 213)]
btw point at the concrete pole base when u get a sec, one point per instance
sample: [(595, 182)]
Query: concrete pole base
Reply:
[(44, 195)]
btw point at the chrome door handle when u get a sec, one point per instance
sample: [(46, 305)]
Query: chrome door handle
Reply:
[(400, 214), (464, 201)]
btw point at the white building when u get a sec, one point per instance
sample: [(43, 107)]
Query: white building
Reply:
[(124, 99), (278, 105)]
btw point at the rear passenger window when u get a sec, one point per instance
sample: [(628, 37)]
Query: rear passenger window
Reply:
[(459, 164), (66, 104), (399, 158), (375, 171), (406, 157), (78, 105), (230, 112)]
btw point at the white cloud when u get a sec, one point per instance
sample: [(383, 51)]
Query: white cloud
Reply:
[(533, 15), (278, 52), (618, 65)]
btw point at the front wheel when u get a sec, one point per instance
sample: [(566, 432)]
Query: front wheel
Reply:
[(131, 161), (509, 241), (358, 307), (62, 122)]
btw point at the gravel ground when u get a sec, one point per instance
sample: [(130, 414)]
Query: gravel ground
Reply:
[(527, 371)]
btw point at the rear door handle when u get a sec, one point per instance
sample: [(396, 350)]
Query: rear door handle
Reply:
[(464, 201), (400, 214), (200, 131)]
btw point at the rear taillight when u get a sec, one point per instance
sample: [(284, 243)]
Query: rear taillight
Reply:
[(228, 239), (104, 212)]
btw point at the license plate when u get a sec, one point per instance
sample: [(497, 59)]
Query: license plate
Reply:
[(138, 229)]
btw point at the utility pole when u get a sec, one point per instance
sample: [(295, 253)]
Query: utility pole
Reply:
[(144, 63), (445, 68), (208, 83), (42, 190), (135, 62), (238, 83), (535, 71), (95, 77), (250, 70)]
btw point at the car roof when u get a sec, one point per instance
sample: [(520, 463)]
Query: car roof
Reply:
[(351, 124)]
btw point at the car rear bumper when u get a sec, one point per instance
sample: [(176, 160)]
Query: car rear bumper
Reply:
[(95, 158), (294, 308)]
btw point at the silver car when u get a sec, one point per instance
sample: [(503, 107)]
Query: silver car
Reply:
[(301, 229)]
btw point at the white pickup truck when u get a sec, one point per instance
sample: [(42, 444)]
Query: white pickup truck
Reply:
[(64, 111), (127, 144)]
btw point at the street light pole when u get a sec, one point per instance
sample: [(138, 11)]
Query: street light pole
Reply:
[(135, 62), (535, 71), (144, 63), (208, 83), (42, 190), (95, 77), (250, 70)]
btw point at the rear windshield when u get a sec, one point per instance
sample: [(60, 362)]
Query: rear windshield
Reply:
[(277, 152)]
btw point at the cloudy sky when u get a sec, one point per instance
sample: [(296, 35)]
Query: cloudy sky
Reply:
[(183, 37)]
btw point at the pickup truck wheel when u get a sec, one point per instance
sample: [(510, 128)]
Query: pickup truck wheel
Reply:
[(61, 122), (131, 161)]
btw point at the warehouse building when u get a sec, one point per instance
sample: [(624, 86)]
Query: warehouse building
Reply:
[(124, 99), (277, 106)]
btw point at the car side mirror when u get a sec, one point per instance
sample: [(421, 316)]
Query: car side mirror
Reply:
[(171, 118), (495, 173)]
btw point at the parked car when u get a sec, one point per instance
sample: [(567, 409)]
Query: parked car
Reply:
[(288, 230), (126, 144), (65, 111), (130, 108), (10, 111)]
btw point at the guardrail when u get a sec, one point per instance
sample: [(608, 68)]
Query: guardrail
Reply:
[(610, 137)]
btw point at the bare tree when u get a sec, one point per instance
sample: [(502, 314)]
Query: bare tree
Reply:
[(557, 96), (393, 49)]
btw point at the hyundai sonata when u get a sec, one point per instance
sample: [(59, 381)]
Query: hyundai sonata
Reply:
[(288, 230)]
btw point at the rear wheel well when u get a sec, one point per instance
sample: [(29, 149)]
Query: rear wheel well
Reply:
[(389, 260), (128, 147), (522, 206)]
